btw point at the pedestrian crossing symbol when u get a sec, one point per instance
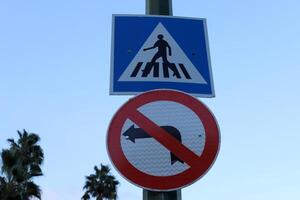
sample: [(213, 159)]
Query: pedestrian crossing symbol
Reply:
[(156, 62), (160, 52)]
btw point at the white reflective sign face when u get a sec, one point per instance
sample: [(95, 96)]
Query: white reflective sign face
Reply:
[(151, 157)]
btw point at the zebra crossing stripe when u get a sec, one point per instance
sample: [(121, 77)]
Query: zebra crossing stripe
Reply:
[(165, 67), (186, 74), (136, 69)]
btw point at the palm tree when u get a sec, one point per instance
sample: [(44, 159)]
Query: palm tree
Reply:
[(101, 185), (20, 164)]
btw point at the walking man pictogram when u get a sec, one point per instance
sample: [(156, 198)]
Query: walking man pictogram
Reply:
[(162, 48)]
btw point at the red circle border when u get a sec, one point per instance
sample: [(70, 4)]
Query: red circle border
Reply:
[(163, 183)]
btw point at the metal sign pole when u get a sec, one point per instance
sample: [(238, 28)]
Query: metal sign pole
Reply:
[(151, 195), (160, 7)]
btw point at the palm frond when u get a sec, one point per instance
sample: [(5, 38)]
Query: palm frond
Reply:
[(102, 184), (33, 190), (20, 164), (35, 170), (86, 196), (8, 160)]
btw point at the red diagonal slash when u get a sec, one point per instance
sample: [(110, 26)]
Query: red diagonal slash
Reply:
[(164, 138), (198, 164)]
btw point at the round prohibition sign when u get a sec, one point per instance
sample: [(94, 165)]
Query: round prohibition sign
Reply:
[(198, 165)]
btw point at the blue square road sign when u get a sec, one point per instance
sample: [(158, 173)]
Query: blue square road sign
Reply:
[(160, 52)]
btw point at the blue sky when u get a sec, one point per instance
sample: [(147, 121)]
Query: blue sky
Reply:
[(54, 81)]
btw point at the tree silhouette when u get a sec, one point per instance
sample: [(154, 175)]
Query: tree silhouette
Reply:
[(101, 185), (20, 164)]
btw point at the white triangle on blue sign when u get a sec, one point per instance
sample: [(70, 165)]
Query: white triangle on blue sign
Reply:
[(176, 67)]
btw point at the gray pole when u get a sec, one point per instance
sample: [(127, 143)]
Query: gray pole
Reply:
[(160, 7)]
